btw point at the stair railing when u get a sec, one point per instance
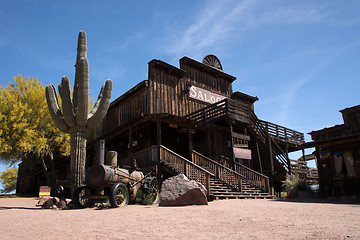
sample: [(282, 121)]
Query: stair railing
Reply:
[(224, 174), (185, 166), (261, 128), (251, 176)]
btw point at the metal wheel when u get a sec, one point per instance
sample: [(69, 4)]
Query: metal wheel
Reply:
[(150, 189), (119, 195), (153, 190), (81, 197)]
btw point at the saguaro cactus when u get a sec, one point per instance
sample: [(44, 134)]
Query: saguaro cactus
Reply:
[(74, 117)]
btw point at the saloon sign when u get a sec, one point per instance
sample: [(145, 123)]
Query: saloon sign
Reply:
[(204, 95)]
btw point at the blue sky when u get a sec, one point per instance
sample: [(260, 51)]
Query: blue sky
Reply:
[(300, 58)]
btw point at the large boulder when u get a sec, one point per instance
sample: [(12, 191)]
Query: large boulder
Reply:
[(180, 191)]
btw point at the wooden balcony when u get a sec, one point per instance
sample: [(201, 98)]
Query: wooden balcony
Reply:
[(241, 112)]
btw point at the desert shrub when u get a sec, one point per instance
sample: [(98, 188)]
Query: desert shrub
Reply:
[(143, 198), (296, 182)]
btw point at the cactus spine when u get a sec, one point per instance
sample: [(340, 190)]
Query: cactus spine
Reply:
[(74, 117)]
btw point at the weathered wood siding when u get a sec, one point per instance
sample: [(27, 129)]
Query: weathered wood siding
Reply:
[(207, 78), (168, 90), (126, 110)]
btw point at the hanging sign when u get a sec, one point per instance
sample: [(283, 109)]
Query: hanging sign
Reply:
[(242, 153), (205, 95)]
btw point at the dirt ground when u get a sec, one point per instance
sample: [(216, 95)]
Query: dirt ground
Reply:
[(223, 219)]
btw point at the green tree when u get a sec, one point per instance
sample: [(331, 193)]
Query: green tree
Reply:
[(8, 179), (26, 126)]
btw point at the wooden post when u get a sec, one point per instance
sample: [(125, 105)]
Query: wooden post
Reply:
[(208, 184), (287, 156), (130, 146), (304, 158), (303, 153), (240, 184), (259, 157), (232, 145), (191, 146), (158, 142), (271, 155), (272, 164)]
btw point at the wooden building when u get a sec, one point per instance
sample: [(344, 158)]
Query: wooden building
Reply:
[(189, 120), (337, 151), (308, 174)]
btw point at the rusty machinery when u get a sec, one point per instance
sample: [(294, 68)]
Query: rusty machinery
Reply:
[(108, 182)]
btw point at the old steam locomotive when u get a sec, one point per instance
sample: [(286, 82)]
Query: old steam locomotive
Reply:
[(108, 182)]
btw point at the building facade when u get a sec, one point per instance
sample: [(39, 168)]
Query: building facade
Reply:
[(337, 151), (189, 120)]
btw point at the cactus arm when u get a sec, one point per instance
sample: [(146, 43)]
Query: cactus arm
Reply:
[(67, 105), (83, 93), (97, 103), (54, 109), (99, 111)]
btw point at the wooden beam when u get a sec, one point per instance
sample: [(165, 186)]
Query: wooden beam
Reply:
[(130, 146), (158, 142), (240, 136), (232, 144), (259, 157), (272, 164), (271, 155), (191, 147), (287, 156)]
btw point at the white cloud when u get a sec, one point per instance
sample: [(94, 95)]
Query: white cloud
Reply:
[(218, 22)]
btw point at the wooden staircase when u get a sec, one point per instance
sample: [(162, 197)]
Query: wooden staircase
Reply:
[(272, 141), (220, 190), (220, 181)]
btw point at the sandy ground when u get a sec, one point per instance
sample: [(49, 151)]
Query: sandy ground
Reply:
[(223, 219)]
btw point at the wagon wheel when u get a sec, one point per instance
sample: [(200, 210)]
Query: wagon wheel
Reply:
[(153, 191), (81, 197), (119, 195), (150, 192), (212, 61)]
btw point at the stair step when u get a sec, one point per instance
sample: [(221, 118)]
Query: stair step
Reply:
[(217, 197), (220, 190)]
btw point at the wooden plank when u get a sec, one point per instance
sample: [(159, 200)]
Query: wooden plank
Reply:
[(240, 136)]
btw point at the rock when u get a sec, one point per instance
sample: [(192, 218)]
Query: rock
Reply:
[(54, 207), (48, 203), (42, 201), (56, 200), (180, 191), (292, 193), (61, 204)]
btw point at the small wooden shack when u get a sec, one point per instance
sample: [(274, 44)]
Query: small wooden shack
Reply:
[(337, 151), (189, 120)]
